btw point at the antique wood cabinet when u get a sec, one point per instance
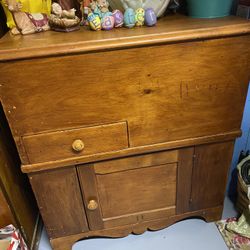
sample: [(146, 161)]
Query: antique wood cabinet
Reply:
[(127, 130)]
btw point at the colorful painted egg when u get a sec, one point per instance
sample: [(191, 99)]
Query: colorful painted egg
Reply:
[(108, 23), (139, 17), (94, 21), (129, 18), (106, 14), (150, 17), (118, 16)]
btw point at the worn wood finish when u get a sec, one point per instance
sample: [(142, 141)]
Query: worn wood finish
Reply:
[(139, 161), (185, 170), (156, 184), (27, 168), (89, 190), (146, 112), (58, 145), (65, 243), (133, 93), (210, 171), (193, 91), (6, 216), (171, 29), (150, 197), (59, 199)]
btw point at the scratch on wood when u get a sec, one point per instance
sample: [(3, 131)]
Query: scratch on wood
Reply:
[(181, 90)]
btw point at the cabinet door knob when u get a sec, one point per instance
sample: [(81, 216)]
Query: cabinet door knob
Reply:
[(92, 205), (78, 145)]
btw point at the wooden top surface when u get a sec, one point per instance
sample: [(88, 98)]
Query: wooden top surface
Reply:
[(169, 29)]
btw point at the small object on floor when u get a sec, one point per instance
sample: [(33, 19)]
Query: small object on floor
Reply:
[(11, 239), (232, 239)]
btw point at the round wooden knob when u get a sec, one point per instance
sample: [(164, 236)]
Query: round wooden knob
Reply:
[(78, 145), (92, 205)]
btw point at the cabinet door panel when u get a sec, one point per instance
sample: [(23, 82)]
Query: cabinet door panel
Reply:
[(130, 190), (210, 174), (137, 190)]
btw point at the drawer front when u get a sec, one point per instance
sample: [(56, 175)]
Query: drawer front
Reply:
[(76, 142), (130, 190)]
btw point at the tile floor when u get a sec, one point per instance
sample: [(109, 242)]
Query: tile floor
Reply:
[(192, 234)]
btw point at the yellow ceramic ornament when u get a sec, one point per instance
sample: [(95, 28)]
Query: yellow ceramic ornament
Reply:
[(139, 17), (94, 21), (30, 6)]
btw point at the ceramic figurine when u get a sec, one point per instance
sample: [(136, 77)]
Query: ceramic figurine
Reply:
[(26, 23), (139, 17), (63, 20), (118, 17), (129, 18), (94, 21), (85, 9), (150, 17), (100, 8), (108, 23)]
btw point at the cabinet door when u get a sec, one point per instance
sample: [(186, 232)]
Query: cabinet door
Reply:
[(59, 199), (209, 178), (130, 190)]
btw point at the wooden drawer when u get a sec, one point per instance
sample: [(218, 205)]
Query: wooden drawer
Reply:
[(76, 142)]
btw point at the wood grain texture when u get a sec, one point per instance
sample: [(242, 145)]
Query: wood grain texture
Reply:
[(58, 145), (179, 29), (60, 203), (139, 161), (146, 189), (130, 190), (142, 95), (87, 180), (6, 216), (65, 243), (210, 173), (146, 98), (184, 187), (180, 84), (29, 168)]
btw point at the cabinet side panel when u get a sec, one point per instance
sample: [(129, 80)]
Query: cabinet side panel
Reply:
[(60, 202), (210, 170), (6, 216), (15, 186)]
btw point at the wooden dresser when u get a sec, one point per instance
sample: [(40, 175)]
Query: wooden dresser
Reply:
[(127, 130)]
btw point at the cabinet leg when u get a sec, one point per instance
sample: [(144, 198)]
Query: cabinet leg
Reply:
[(63, 244)]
